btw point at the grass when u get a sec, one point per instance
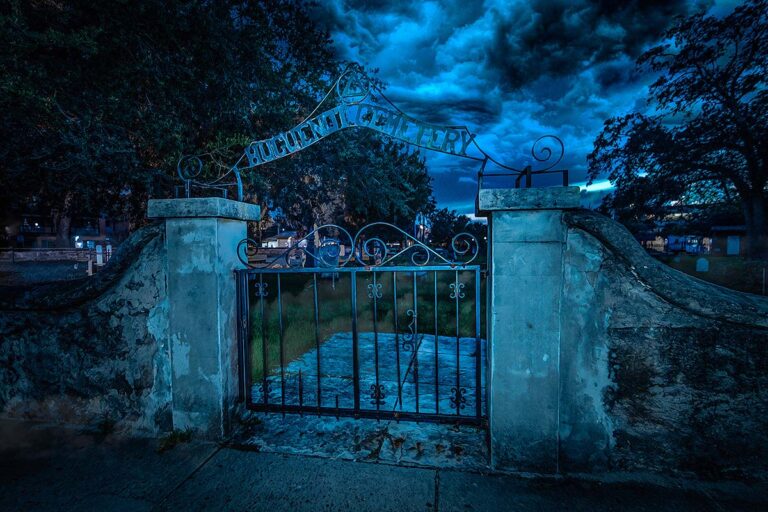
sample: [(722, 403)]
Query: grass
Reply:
[(729, 271), (335, 310)]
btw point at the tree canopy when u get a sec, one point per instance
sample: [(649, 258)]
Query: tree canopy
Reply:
[(98, 100), (704, 141)]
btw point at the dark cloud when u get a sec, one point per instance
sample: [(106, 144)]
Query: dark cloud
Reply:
[(562, 37), (511, 70)]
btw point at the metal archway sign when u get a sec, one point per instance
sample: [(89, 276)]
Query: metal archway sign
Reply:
[(357, 103), (360, 105)]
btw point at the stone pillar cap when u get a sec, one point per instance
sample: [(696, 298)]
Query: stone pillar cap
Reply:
[(551, 198), (203, 207)]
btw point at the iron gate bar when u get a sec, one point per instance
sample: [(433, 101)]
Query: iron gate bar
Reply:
[(458, 399), (242, 322), (437, 344), (317, 337), (478, 348), (397, 341), (246, 347), (355, 347), (264, 341), (356, 270), (374, 414), (282, 347), (416, 343), (376, 392)]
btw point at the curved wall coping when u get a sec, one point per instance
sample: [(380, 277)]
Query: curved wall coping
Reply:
[(72, 293), (675, 287)]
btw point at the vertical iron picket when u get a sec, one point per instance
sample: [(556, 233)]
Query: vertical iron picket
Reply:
[(248, 378), (240, 336), (437, 360), (282, 344), (397, 342), (264, 355), (478, 350), (317, 338), (376, 392), (457, 398), (355, 347), (416, 344)]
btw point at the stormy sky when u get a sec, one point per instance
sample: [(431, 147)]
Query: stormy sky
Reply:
[(511, 70)]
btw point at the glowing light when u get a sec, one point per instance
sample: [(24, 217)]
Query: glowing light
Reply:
[(595, 187)]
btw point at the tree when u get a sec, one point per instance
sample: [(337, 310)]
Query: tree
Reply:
[(704, 141), (99, 99), (352, 178), (446, 224)]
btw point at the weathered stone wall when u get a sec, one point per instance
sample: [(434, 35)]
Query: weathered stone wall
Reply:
[(659, 371), (92, 351)]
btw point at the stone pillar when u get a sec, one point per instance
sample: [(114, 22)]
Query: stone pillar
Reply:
[(201, 237), (526, 242)]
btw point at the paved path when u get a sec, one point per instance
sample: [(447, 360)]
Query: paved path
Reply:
[(46, 469)]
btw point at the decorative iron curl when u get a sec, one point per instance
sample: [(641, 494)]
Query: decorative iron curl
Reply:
[(377, 394), (457, 290), (374, 248), (328, 254), (247, 248), (542, 151), (465, 243), (374, 292), (458, 398), (190, 168), (409, 338), (419, 253), (464, 248)]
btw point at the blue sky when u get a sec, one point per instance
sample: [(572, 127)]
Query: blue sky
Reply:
[(510, 70)]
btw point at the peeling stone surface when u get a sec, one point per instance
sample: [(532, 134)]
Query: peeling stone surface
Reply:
[(405, 443), (668, 373), (91, 351)]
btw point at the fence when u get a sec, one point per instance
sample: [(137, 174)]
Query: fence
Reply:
[(387, 341)]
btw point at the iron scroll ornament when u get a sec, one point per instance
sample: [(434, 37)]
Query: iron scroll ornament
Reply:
[(365, 251), (358, 103)]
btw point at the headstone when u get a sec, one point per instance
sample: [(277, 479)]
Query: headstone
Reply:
[(702, 265), (733, 246), (328, 253)]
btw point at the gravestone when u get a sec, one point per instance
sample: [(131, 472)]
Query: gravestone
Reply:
[(702, 265)]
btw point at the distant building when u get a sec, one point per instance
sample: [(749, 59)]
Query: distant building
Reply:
[(40, 231), (653, 243), (280, 241), (689, 244), (729, 240)]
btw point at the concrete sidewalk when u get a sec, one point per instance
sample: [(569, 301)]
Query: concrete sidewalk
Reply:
[(55, 469)]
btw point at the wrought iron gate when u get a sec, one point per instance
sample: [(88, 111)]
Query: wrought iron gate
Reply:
[(364, 328)]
